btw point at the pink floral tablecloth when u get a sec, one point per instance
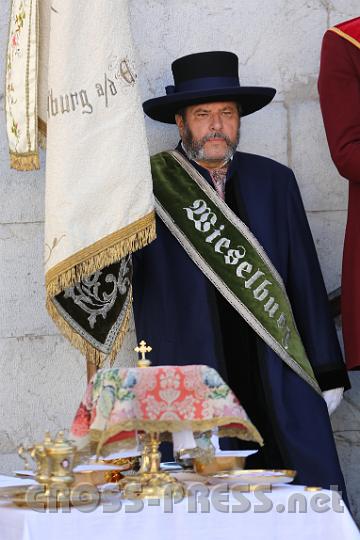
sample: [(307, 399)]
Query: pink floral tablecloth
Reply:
[(119, 402)]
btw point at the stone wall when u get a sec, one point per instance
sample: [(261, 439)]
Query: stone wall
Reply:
[(278, 44)]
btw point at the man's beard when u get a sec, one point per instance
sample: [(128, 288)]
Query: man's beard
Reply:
[(195, 148)]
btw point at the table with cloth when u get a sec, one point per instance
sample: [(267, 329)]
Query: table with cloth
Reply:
[(167, 399), (264, 519)]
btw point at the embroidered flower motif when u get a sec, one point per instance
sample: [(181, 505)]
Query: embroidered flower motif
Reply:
[(207, 409), (92, 297), (147, 382), (212, 379), (20, 17), (153, 408), (15, 129), (169, 379), (125, 395), (220, 392), (159, 410), (187, 408), (130, 380), (106, 401), (81, 423), (169, 395), (55, 243), (14, 50)]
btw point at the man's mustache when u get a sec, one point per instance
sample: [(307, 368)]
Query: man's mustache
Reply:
[(215, 135)]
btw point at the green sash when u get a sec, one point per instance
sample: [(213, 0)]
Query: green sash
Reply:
[(229, 255)]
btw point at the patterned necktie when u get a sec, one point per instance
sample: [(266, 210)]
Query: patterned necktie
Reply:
[(218, 177)]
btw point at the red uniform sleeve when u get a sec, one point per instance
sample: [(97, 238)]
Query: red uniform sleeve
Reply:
[(339, 90)]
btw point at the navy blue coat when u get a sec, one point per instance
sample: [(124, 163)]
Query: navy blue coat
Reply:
[(174, 313)]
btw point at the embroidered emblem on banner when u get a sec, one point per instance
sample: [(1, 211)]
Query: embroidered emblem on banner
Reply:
[(98, 306)]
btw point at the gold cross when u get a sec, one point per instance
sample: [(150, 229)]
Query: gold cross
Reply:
[(142, 348)]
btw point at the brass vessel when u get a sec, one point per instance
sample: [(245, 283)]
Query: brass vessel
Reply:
[(151, 482), (60, 458), (218, 464), (54, 461)]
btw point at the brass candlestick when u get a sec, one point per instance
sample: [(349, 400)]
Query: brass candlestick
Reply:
[(150, 482)]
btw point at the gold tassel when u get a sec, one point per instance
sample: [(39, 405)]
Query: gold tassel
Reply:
[(98, 256), (24, 162), (248, 432)]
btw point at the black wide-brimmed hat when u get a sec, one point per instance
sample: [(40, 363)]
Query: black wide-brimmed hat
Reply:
[(206, 77)]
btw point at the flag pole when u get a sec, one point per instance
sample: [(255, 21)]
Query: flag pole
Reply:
[(91, 369)]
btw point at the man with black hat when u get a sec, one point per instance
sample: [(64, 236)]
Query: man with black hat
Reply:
[(233, 279)]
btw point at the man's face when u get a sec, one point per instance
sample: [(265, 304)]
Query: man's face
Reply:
[(210, 131)]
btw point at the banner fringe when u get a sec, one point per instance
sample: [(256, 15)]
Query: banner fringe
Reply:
[(24, 162), (91, 354), (67, 278)]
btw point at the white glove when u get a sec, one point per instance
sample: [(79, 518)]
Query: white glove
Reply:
[(215, 441), (183, 440), (333, 398)]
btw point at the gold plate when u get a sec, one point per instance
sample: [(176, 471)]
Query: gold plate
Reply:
[(27, 475), (19, 496), (15, 494), (253, 476), (219, 465), (187, 476), (120, 463)]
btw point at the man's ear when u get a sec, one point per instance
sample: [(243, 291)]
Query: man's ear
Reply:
[(180, 123)]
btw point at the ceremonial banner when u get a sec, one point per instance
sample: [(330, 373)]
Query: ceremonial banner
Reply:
[(99, 204), (20, 85)]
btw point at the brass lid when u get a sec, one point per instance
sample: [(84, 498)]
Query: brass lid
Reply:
[(61, 445)]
